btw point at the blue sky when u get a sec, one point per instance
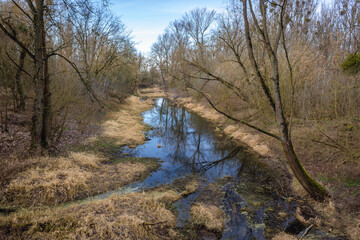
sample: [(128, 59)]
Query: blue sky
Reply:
[(148, 18)]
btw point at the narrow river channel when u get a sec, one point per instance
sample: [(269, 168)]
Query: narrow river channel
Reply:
[(187, 145)]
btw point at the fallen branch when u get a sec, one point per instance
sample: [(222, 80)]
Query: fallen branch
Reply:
[(306, 231)]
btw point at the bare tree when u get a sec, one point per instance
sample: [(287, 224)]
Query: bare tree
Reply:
[(196, 64), (272, 45)]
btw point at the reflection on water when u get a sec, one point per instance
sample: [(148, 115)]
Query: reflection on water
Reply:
[(186, 144)]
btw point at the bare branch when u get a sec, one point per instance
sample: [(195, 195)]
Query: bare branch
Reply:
[(23, 11), (22, 69), (83, 80), (227, 115), (17, 41)]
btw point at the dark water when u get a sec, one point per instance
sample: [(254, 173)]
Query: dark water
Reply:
[(187, 145)]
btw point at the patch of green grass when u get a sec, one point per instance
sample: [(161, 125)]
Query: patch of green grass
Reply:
[(348, 182), (326, 178), (101, 144)]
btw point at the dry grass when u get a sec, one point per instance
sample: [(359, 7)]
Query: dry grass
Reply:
[(60, 179), (190, 187), (152, 93), (125, 125), (284, 236), (130, 216), (210, 216), (253, 139), (53, 180)]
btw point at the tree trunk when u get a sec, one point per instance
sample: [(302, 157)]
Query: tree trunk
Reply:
[(310, 185), (163, 78), (46, 132), (41, 117), (14, 95), (19, 87), (6, 120)]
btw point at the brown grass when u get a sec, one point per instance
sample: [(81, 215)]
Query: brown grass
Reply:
[(130, 216), (190, 187), (210, 216), (58, 179), (125, 125), (154, 92), (284, 236), (53, 180)]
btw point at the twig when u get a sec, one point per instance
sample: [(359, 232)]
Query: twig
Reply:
[(306, 231)]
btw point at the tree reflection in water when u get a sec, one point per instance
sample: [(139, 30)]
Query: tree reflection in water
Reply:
[(188, 144)]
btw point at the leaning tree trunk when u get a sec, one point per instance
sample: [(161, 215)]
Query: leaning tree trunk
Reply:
[(310, 185)]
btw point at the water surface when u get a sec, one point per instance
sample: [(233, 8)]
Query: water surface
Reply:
[(187, 144)]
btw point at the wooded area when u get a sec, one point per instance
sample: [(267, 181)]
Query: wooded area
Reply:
[(66, 59), (286, 69), (275, 60)]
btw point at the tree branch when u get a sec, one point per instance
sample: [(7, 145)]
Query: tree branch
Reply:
[(17, 41), (227, 115), (265, 88), (86, 84), (22, 10), (22, 69)]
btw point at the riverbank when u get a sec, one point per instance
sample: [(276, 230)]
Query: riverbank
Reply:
[(339, 215), (49, 186), (32, 197), (49, 199)]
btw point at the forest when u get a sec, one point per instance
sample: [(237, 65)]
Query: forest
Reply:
[(240, 123)]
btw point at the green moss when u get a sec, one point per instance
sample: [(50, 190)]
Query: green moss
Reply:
[(351, 64)]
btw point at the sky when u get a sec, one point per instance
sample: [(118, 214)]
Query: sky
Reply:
[(147, 19)]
